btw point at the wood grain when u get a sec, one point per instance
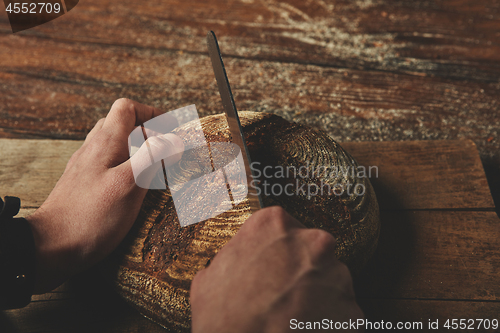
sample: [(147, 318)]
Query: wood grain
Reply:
[(31, 168), (443, 261), (421, 311), (435, 255), (430, 178), (433, 174), (362, 70)]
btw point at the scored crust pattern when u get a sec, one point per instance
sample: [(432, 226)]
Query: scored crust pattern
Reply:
[(153, 268)]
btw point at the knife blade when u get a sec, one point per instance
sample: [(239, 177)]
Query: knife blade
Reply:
[(232, 118)]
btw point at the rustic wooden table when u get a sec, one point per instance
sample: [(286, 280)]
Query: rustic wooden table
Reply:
[(362, 70)]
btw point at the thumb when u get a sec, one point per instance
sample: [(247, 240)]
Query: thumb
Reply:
[(146, 163)]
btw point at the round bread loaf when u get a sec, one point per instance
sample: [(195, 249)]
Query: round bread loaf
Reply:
[(154, 266)]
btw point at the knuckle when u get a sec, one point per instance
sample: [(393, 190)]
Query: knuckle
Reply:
[(323, 239), (278, 217), (124, 106), (321, 246), (277, 211), (121, 102), (311, 272), (275, 220)]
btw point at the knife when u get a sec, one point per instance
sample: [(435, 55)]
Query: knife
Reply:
[(232, 118)]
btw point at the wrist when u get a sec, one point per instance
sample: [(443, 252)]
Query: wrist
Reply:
[(52, 263)]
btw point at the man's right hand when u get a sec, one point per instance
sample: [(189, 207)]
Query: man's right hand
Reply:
[(272, 271)]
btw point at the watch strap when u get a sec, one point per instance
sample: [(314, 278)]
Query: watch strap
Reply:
[(17, 256)]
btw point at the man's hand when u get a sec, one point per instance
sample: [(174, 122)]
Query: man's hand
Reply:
[(96, 201), (272, 271)]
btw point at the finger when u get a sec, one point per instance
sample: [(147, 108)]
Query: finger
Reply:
[(126, 114), (274, 219), (160, 125), (264, 227), (94, 130), (147, 161), (320, 244)]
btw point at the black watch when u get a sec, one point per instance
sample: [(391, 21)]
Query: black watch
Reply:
[(17, 256)]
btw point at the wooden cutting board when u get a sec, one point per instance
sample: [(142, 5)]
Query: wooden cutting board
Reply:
[(438, 254)]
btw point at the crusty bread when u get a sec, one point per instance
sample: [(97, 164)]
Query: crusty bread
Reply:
[(154, 266)]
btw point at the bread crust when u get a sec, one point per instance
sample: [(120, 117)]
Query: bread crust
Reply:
[(154, 266)]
